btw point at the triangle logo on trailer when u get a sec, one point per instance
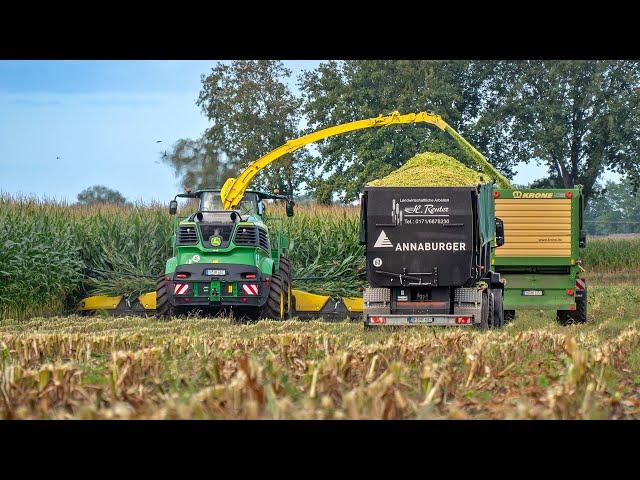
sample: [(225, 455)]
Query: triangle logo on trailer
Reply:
[(383, 241)]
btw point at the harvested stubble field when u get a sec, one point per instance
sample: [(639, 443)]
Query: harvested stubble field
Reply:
[(102, 367)]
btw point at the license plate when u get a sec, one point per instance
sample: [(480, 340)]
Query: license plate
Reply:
[(532, 293), (215, 272), (420, 320)]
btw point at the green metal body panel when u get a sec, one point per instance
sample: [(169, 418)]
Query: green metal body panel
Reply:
[(553, 286), (233, 254), (542, 273), (266, 261), (217, 290)]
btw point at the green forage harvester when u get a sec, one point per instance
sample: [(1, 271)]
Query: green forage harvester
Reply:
[(432, 170)]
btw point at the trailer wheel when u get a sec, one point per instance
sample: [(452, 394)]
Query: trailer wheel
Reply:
[(581, 308), (579, 315), (164, 309), (485, 311), (509, 316), (498, 309)]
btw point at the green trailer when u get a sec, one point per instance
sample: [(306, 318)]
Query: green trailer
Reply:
[(541, 259)]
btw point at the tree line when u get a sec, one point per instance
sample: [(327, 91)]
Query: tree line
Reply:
[(574, 119)]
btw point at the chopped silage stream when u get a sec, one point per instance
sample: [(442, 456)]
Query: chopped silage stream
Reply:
[(432, 170)]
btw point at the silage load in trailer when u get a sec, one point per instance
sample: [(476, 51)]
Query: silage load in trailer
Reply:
[(431, 170)]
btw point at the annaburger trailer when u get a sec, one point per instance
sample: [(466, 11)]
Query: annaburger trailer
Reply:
[(428, 254)]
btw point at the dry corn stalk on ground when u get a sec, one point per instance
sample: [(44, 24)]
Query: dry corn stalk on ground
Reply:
[(433, 170), (101, 367)]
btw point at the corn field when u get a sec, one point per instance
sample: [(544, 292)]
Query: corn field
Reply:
[(613, 254), (102, 368), (52, 254)]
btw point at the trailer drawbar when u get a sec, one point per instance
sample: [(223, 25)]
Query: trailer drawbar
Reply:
[(428, 256)]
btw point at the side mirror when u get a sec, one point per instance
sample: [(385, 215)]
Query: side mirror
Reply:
[(582, 240), (260, 208), (173, 207), (289, 209), (499, 232)]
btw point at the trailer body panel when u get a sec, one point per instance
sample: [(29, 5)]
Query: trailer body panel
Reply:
[(428, 256), (540, 260)]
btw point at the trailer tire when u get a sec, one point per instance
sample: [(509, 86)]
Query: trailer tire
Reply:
[(164, 309), (579, 315), (581, 308), (498, 309), (485, 311)]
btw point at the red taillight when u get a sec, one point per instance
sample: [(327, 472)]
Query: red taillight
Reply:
[(377, 320), (182, 276), (570, 292), (244, 299), (250, 276), (569, 194), (496, 194), (463, 320)]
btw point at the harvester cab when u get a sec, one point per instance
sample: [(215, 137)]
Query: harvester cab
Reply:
[(223, 258)]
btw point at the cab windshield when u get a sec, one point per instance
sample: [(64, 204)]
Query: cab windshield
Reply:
[(211, 202)]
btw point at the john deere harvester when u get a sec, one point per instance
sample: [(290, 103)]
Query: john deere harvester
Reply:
[(223, 259)]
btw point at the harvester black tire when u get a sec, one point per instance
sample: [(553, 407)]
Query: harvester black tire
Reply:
[(285, 266), (285, 273), (579, 315), (164, 309), (498, 309), (276, 307)]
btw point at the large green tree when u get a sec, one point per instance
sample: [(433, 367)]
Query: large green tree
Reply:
[(614, 209), (198, 163), (577, 118), (252, 111), (342, 91), (100, 194)]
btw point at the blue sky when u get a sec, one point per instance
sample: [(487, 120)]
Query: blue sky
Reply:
[(102, 119)]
